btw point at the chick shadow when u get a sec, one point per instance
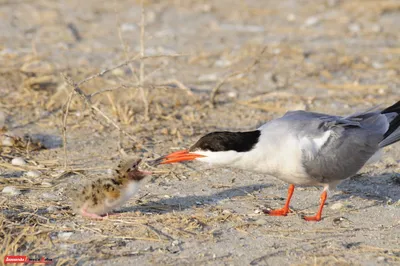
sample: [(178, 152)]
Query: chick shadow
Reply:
[(48, 141), (177, 203), (383, 187)]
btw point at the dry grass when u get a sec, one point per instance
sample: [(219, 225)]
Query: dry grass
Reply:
[(36, 232)]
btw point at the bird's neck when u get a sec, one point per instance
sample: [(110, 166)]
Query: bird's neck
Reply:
[(221, 158)]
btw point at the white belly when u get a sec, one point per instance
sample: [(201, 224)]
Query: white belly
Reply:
[(126, 194)]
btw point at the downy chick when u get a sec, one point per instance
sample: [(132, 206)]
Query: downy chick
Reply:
[(106, 194)]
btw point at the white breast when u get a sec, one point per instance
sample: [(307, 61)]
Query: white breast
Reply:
[(278, 153), (131, 189)]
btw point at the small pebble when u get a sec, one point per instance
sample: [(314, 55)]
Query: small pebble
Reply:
[(64, 235), (226, 212), (206, 8), (7, 141), (118, 72), (18, 161), (33, 174), (311, 21), (377, 65), (291, 17), (381, 259), (52, 209), (261, 221), (50, 196), (222, 63), (208, 77), (232, 94), (337, 206), (128, 27), (276, 51), (257, 211), (376, 28), (11, 191), (68, 247), (176, 242), (354, 27)]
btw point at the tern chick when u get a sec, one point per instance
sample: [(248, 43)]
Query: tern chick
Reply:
[(106, 194)]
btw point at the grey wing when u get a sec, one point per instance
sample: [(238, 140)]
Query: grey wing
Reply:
[(334, 147)]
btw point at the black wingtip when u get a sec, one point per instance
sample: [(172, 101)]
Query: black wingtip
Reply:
[(392, 135), (395, 108)]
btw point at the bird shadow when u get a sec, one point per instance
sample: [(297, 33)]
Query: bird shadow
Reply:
[(178, 203), (383, 187)]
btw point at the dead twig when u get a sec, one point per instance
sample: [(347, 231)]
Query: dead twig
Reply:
[(127, 62), (371, 88), (95, 110), (64, 127), (124, 45), (178, 84), (122, 86), (141, 70)]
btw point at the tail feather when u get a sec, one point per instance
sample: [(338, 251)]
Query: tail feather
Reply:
[(392, 135)]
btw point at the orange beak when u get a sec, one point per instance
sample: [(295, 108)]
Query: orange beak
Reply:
[(175, 157)]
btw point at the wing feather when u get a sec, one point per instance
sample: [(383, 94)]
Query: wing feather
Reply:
[(335, 147)]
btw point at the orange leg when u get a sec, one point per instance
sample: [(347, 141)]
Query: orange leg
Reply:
[(317, 217), (283, 211)]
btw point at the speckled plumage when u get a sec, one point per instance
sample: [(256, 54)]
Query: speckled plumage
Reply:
[(106, 194)]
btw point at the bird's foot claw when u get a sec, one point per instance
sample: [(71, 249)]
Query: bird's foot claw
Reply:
[(277, 212), (314, 218)]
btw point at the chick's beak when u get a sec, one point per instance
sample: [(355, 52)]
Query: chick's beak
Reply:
[(146, 172), (179, 156)]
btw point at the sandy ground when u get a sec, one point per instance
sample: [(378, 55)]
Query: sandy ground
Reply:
[(267, 56)]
